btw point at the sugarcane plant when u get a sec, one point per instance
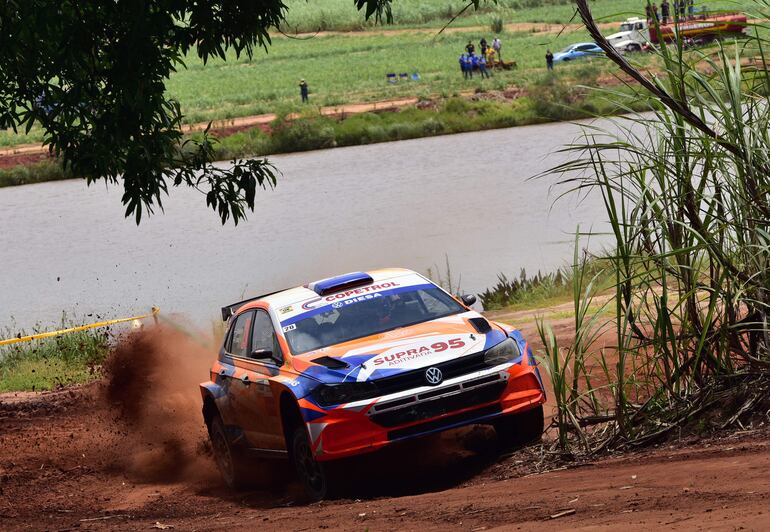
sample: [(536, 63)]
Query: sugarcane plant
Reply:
[(686, 189)]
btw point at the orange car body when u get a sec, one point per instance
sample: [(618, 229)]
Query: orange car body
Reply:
[(390, 396)]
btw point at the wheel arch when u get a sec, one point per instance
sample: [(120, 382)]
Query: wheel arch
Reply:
[(291, 417)]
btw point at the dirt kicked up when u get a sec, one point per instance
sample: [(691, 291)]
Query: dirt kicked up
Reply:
[(131, 453)]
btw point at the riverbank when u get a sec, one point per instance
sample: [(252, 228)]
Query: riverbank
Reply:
[(550, 98)]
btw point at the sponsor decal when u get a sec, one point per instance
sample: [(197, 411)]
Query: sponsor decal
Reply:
[(311, 304), (289, 328), (285, 310), (399, 357), (337, 300)]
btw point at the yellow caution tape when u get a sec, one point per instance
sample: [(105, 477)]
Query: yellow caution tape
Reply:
[(154, 313)]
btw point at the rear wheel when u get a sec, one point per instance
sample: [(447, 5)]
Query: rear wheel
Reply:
[(633, 48), (232, 464), (312, 473), (516, 430)]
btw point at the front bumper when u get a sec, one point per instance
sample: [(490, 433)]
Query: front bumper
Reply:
[(477, 397)]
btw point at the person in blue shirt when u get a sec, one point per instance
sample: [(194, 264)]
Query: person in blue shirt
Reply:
[(463, 66), (474, 59), (483, 67)]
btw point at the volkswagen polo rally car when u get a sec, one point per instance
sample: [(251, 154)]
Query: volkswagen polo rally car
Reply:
[(350, 364)]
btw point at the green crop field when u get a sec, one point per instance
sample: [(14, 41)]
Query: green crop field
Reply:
[(352, 67), (339, 15), (349, 68)]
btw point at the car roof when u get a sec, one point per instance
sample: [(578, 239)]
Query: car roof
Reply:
[(303, 293)]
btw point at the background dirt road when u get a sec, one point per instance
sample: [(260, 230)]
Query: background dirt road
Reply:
[(113, 456)]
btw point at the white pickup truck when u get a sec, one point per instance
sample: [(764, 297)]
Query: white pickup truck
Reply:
[(634, 33)]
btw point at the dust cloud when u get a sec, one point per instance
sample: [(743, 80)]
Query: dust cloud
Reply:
[(151, 386)]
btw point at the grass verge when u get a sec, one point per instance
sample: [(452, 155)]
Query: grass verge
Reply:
[(53, 363)]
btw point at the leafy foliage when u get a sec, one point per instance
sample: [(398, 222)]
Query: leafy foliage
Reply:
[(93, 75)]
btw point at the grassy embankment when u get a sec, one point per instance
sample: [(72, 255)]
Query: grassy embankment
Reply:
[(49, 364)]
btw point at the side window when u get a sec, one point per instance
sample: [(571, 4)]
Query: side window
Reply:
[(239, 338), (264, 336)]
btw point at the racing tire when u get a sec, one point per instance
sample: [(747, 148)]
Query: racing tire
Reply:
[(633, 48), (313, 475), (517, 430), (233, 466)]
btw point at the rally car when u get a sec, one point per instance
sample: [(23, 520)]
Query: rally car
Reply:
[(349, 364)]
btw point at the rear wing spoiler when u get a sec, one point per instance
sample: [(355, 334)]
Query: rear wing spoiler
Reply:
[(229, 310)]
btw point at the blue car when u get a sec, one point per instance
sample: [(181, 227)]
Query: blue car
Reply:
[(578, 51)]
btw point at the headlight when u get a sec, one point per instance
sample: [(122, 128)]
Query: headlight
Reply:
[(503, 352), (337, 394)]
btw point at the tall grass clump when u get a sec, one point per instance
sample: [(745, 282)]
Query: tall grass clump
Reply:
[(52, 363), (686, 189)]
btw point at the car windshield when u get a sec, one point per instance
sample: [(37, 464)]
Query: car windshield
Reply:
[(347, 320), (626, 27), (568, 48)]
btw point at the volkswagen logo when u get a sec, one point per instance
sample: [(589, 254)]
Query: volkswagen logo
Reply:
[(433, 376)]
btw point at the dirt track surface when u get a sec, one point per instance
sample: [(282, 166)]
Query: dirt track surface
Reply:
[(67, 460)]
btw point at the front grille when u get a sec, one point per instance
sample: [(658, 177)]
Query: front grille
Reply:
[(416, 378), (437, 407), (445, 422)]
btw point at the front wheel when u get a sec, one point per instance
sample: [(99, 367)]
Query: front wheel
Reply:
[(312, 473), (633, 48), (515, 430)]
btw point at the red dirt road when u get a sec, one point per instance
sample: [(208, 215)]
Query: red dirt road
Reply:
[(130, 452)]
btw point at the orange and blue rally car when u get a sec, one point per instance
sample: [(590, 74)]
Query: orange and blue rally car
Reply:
[(349, 364)]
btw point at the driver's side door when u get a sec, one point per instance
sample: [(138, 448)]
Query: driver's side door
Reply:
[(258, 413)]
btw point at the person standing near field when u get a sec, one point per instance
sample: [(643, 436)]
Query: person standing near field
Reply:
[(664, 11), (496, 45), (549, 59), (483, 67), (470, 48), (483, 47), (303, 92)]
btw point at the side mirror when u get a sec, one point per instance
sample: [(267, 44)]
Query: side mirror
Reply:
[(468, 299), (262, 354)]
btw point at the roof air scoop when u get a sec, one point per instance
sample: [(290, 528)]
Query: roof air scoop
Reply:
[(341, 282)]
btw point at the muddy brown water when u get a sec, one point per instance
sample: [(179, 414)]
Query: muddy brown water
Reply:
[(67, 247)]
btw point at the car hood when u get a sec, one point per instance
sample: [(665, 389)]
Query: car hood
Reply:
[(400, 350), (621, 35)]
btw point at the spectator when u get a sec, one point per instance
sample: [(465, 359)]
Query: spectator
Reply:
[(303, 90), (483, 67), (496, 45), (682, 9), (648, 12), (491, 57), (664, 11), (676, 10), (474, 61), (470, 48), (549, 59), (656, 12), (691, 8), (483, 47), (463, 66)]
